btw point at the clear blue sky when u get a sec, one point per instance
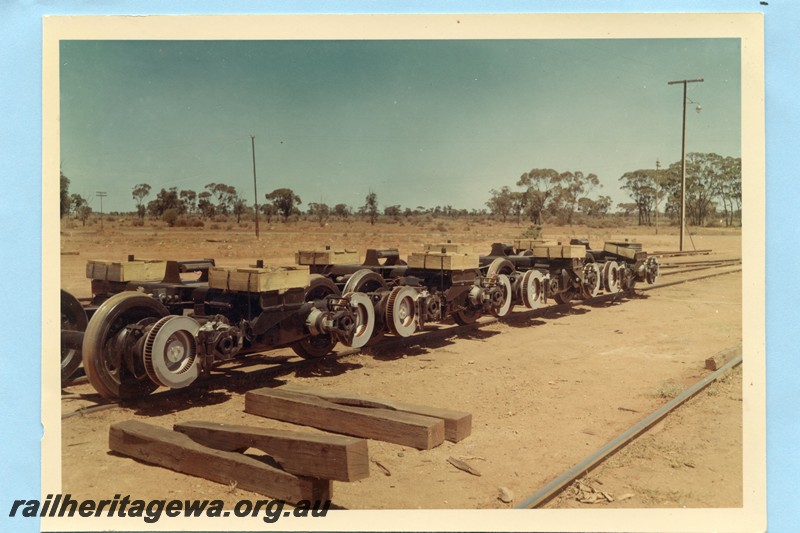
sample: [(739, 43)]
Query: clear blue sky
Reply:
[(418, 122)]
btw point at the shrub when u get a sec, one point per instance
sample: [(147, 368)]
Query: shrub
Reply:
[(603, 222), (533, 232), (170, 216)]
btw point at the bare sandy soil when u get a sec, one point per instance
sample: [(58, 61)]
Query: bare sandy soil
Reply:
[(545, 389)]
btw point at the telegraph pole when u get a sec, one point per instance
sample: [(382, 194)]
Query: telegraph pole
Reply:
[(683, 157), (101, 195), (255, 186), (658, 170)]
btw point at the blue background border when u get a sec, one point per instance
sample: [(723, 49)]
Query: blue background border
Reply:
[(20, 212)]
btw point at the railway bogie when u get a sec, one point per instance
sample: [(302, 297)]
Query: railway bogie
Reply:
[(566, 272), (137, 335), (144, 333), (430, 287)]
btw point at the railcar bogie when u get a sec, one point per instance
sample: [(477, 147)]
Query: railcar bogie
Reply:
[(566, 272), (430, 287), (170, 327), (169, 332)]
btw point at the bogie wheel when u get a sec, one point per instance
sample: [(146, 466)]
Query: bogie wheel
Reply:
[(467, 316), (503, 307), (504, 268), (73, 318), (651, 270), (110, 355), (315, 346), (367, 281), (612, 283), (501, 266), (364, 280), (364, 319), (564, 297), (592, 280), (627, 279)]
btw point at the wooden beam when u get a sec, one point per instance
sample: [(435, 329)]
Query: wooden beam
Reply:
[(305, 454), (457, 424), (421, 432), (718, 360), (178, 452)]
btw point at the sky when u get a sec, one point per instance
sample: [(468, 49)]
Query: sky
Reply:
[(420, 123)]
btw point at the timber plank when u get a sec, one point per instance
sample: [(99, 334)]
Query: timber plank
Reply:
[(178, 452), (457, 424), (718, 360), (258, 279), (305, 454), (421, 432), (443, 261)]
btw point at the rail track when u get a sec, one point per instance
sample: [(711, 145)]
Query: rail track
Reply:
[(236, 375), (559, 484), (685, 267)]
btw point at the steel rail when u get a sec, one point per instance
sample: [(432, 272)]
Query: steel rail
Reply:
[(681, 281), (699, 263), (705, 267), (557, 485), (89, 409), (677, 253), (387, 343)]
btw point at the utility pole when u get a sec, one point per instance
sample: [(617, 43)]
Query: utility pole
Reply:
[(658, 175), (255, 185), (101, 195), (683, 157)]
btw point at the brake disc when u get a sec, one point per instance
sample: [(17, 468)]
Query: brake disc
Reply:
[(170, 352), (401, 311)]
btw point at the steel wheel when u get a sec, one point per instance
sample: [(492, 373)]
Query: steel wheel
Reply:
[(627, 279), (112, 353), (315, 346), (501, 266), (612, 282), (504, 268), (592, 280), (502, 308), (73, 318), (364, 280), (467, 316), (364, 315), (564, 297), (651, 270)]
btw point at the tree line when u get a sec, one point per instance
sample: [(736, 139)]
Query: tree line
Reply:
[(546, 191), (73, 204), (542, 195), (713, 189)]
